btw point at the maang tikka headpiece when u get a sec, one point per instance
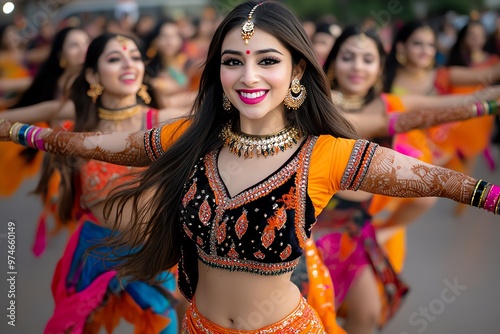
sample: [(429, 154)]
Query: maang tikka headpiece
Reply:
[(247, 29)]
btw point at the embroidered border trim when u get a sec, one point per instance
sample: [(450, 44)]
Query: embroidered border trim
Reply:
[(152, 144), (357, 167), (254, 267), (301, 184)]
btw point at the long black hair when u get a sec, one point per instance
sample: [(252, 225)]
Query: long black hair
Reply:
[(44, 86), (391, 63), (154, 222), (458, 55), (155, 65), (348, 32)]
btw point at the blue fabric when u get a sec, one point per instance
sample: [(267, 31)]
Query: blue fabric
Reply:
[(85, 269)]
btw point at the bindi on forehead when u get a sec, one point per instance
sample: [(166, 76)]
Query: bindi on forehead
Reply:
[(247, 52)]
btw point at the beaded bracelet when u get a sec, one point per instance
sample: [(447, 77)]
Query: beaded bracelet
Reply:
[(478, 190)]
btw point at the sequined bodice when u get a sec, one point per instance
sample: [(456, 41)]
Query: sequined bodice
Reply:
[(261, 230)]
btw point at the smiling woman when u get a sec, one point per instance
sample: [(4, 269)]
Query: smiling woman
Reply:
[(238, 224), (104, 98)]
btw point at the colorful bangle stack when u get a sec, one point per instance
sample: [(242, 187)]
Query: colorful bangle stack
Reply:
[(482, 108), (486, 196), (27, 135)]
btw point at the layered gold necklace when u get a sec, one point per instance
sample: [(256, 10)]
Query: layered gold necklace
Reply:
[(117, 115), (348, 103), (245, 145)]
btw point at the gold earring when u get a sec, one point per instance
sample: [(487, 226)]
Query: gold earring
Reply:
[(401, 58), (63, 63), (294, 102), (379, 86), (95, 91), (432, 64), (226, 104), (143, 94)]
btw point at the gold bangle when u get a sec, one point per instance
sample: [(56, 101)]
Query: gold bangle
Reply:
[(486, 190), (474, 192), (14, 133), (474, 110)]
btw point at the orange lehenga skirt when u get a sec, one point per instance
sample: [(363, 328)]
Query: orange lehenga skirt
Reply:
[(303, 319)]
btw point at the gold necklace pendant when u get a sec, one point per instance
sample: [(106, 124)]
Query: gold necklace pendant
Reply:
[(118, 114), (247, 145)]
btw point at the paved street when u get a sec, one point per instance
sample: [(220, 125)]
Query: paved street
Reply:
[(453, 269)]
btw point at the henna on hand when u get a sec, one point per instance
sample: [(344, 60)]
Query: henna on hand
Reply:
[(393, 174)]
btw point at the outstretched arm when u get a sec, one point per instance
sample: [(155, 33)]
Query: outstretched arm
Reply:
[(400, 122), (465, 76), (41, 112), (15, 85), (397, 175), (425, 118), (119, 148), (418, 102)]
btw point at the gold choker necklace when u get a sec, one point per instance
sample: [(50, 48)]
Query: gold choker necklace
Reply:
[(348, 103), (118, 114), (243, 144)]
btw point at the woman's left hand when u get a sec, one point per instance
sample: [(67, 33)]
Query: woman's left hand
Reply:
[(4, 130)]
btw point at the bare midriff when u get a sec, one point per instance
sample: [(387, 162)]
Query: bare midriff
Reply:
[(244, 301)]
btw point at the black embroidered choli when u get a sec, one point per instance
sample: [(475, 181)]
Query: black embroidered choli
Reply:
[(263, 229)]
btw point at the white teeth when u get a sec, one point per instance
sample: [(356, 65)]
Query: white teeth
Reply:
[(128, 77), (252, 95)]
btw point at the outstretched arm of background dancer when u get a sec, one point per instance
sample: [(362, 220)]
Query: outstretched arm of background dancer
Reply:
[(465, 76), (442, 102), (41, 112), (15, 85), (401, 122), (425, 118)]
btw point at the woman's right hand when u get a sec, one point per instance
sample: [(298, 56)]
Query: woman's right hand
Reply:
[(4, 130)]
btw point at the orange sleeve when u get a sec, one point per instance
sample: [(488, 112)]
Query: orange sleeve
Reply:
[(329, 160), (171, 132), (393, 103)]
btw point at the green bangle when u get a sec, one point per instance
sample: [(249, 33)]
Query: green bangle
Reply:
[(493, 107)]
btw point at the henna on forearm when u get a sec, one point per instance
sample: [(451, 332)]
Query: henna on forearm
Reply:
[(394, 174), (118, 148), (423, 119)]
